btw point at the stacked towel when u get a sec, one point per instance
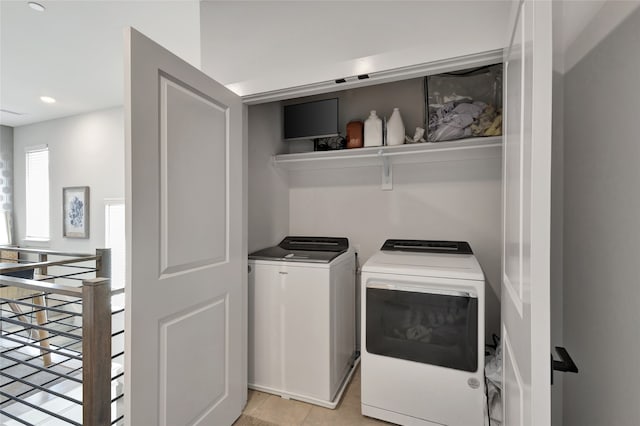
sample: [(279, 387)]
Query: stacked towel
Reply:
[(463, 118)]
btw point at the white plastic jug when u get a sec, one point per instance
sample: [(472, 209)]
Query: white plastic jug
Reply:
[(395, 129), (373, 130)]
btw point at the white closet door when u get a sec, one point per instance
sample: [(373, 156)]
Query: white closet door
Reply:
[(186, 247), (527, 212)]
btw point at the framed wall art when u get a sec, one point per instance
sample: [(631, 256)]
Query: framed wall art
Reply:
[(75, 212)]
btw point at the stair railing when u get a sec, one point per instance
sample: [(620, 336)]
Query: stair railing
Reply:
[(61, 341)]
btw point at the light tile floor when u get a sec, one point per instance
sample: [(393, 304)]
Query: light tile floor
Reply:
[(266, 409)]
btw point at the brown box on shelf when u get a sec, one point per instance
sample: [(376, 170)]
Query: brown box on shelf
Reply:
[(355, 133)]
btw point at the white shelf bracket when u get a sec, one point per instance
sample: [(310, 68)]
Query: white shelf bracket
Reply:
[(387, 172)]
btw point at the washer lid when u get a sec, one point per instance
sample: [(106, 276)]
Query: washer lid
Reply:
[(460, 266), (280, 254), (304, 249)]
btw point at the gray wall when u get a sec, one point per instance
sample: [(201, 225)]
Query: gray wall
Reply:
[(557, 216), (84, 150), (602, 231), (355, 104)]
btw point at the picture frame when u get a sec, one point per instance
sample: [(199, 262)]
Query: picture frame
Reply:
[(75, 212)]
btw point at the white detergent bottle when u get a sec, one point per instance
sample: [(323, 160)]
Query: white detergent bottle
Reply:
[(395, 129), (373, 130)]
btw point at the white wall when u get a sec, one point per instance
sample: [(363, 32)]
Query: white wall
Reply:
[(602, 232), (84, 150), (459, 200), (259, 46), (268, 200)]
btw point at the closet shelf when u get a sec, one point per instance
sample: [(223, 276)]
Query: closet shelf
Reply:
[(467, 149)]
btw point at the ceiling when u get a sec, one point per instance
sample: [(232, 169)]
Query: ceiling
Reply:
[(73, 51)]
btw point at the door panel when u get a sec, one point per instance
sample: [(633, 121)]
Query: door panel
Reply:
[(186, 267), (177, 384), (512, 277), (527, 194), (187, 198)]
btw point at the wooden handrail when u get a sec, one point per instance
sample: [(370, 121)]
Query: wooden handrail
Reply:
[(41, 251), (42, 286), (44, 264), (103, 269), (33, 265)]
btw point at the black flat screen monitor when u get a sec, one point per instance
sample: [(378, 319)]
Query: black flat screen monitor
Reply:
[(310, 120)]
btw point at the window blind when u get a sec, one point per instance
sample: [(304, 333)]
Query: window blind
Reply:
[(37, 193)]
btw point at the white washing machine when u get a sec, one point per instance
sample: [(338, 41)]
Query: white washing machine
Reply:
[(302, 319), (423, 334)]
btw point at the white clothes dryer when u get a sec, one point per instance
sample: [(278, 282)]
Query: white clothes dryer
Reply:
[(423, 334)]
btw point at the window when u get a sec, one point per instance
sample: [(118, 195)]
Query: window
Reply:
[(430, 328), (37, 196), (114, 239)]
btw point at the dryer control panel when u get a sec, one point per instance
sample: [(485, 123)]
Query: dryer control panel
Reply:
[(428, 246)]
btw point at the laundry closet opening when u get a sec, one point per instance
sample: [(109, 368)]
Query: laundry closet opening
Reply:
[(447, 194)]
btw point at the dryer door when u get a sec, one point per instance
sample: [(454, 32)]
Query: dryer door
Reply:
[(430, 325)]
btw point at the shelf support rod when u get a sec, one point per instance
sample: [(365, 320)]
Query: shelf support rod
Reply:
[(387, 172)]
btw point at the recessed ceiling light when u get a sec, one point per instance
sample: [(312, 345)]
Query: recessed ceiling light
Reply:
[(36, 6), (47, 99)]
